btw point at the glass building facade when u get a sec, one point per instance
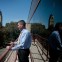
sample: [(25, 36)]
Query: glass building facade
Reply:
[(0, 19), (45, 12)]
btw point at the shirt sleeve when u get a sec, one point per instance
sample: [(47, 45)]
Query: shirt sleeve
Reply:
[(54, 40), (15, 43), (23, 38), (59, 45)]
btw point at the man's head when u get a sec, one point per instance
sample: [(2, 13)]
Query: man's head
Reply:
[(58, 26), (21, 24)]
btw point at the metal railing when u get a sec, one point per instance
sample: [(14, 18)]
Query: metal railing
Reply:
[(4, 57), (42, 43)]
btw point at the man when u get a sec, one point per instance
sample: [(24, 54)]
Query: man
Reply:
[(24, 42), (55, 43)]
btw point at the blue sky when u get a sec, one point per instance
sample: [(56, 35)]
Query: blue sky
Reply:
[(14, 10)]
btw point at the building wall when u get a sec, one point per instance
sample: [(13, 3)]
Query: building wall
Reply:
[(0, 19), (28, 26), (40, 11)]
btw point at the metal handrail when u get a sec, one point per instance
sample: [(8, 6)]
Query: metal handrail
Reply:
[(43, 39), (3, 55)]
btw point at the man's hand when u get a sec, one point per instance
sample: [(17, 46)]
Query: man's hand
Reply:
[(11, 43), (8, 47)]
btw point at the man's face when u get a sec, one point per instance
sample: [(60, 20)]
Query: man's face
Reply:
[(20, 25), (60, 28)]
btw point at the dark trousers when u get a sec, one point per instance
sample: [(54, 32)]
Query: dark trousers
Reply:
[(23, 55), (54, 54)]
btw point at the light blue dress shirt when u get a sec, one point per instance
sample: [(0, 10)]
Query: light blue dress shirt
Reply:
[(25, 40)]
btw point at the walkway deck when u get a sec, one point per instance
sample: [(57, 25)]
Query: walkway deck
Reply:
[(37, 54)]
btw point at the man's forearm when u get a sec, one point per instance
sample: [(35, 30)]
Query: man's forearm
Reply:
[(16, 47)]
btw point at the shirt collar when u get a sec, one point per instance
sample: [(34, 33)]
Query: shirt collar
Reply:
[(22, 30)]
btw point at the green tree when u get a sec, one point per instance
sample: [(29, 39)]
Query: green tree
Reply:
[(8, 33)]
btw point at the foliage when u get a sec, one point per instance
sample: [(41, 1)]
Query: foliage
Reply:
[(37, 28), (8, 33)]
